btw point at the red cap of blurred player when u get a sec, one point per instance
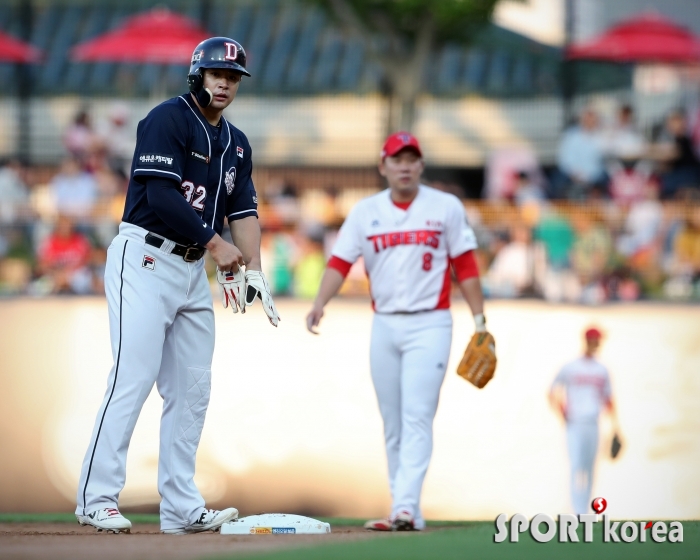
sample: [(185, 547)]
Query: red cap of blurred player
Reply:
[(399, 141), (593, 333)]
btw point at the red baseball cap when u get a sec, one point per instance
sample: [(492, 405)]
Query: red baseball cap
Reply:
[(593, 333), (399, 141)]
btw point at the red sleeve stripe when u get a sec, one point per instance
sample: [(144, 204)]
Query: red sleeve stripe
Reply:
[(340, 265), (465, 266)]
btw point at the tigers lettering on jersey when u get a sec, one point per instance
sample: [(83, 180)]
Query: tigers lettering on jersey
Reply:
[(427, 237), (419, 242)]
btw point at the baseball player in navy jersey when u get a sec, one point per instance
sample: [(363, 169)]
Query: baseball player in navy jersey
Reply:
[(579, 392), (411, 237), (191, 169)]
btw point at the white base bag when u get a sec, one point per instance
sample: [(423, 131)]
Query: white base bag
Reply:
[(275, 524)]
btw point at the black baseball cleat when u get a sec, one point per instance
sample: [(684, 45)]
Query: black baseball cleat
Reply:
[(403, 521)]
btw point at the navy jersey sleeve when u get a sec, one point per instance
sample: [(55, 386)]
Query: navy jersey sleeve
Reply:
[(167, 202), (243, 200), (161, 145)]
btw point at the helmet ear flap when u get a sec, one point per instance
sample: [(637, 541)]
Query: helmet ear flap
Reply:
[(196, 84), (204, 97), (195, 81)]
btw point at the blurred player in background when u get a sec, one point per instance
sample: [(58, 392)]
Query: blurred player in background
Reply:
[(579, 392), (411, 238)]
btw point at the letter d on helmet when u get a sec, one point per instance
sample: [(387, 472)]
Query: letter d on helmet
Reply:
[(215, 52)]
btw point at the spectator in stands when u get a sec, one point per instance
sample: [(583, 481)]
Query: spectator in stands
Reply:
[(14, 194), (16, 260), (581, 166), (63, 265), (629, 177), (643, 222), (74, 191), (312, 262), (527, 190), (675, 151), (517, 267), (556, 234), (591, 255), (116, 140), (623, 140), (284, 202), (684, 267), (279, 254), (80, 139)]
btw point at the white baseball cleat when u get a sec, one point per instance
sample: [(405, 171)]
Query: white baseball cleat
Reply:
[(107, 519), (209, 520), (404, 521)]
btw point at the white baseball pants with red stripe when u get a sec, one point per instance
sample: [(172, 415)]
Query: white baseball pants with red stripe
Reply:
[(162, 331), (408, 358)]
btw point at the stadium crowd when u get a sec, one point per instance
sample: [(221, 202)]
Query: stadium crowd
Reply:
[(616, 219)]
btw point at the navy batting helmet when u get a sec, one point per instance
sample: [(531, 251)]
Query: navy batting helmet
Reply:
[(215, 52)]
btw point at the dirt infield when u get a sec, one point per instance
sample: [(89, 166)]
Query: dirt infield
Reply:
[(63, 541)]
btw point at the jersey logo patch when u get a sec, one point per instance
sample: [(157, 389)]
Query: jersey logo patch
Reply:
[(156, 158), (239, 151), (200, 156), (230, 180), (148, 262)]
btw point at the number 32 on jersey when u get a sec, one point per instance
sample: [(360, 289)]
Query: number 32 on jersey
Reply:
[(194, 195)]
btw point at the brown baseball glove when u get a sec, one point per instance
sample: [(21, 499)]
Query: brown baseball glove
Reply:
[(479, 361)]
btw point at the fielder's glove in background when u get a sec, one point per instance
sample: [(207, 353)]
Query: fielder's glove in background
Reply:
[(479, 361), (231, 288), (256, 286), (615, 446)]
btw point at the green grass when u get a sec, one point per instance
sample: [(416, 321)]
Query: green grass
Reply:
[(457, 541), (475, 541), (353, 522)]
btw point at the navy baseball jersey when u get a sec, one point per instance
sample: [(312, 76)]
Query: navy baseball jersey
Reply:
[(212, 166)]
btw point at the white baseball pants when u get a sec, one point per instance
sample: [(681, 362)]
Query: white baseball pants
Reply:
[(582, 441), (408, 359), (162, 331)]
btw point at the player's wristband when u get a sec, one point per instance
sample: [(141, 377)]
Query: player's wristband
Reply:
[(480, 322)]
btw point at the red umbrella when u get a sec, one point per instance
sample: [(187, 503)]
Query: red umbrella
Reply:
[(159, 36), (648, 37), (14, 50)]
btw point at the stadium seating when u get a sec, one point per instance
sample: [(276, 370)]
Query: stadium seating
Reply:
[(293, 49)]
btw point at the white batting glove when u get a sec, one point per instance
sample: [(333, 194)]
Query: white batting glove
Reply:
[(231, 288), (256, 286)]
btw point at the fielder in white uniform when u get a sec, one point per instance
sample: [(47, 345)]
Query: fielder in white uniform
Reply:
[(411, 237), (579, 392)]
